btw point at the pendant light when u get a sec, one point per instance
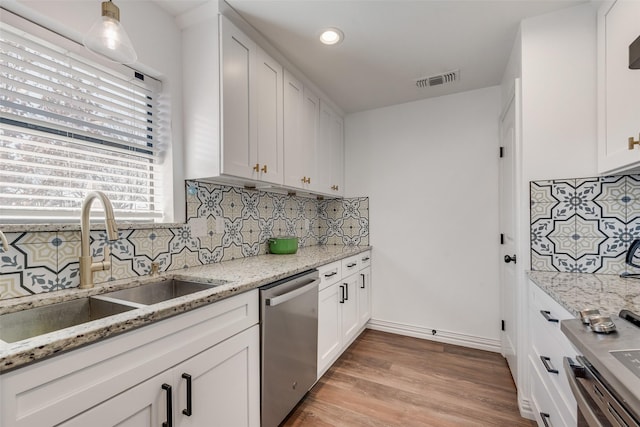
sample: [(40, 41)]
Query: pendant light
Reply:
[(108, 38)]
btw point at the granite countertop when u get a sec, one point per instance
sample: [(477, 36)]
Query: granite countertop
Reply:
[(241, 275), (576, 291)]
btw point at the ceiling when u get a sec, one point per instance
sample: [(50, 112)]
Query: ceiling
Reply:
[(389, 44)]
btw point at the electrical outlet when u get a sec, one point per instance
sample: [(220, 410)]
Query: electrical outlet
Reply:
[(198, 227), (219, 225)]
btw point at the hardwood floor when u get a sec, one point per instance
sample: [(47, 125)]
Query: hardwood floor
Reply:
[(391, 380)]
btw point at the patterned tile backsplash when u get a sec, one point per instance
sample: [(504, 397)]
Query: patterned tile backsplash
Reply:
[(584, 225), (222, 223)]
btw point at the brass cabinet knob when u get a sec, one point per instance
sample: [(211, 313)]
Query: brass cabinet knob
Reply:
[(264, 168), (309, 180), (334, 187), (256, 168), (632, 142)]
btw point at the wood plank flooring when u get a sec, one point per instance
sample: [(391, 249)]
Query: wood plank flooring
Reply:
[(391, 380)]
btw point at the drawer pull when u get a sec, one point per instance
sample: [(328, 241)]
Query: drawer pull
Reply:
[(547, 315), (342, 300), (352, 265), (363, 280), (545, 361), (169, 422), (365, 259), (333, 273), (189, 411), (545, 417)]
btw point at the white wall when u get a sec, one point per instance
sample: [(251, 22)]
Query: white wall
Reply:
[(157, 41), (430, 169)]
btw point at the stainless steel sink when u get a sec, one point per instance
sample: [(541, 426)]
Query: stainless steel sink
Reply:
[(164, 290), (32, 322)]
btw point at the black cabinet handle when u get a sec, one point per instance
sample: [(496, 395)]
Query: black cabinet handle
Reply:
[(189, 409), (545, 417), (365, 259), (333, 273), (547, 315), (342, 294), (346, 291), (549, 368), (362, 286), (169, 422), (352, 265), (509, 259)]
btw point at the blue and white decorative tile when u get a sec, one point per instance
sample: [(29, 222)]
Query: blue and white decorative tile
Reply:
[(563, 227), (231, 203), (40, 279), (266, 229), (69, 276), (250, 205), (142, 246), (588, 228), (232, 252), (541, 245), (334, 227), (68, 253), (614, 228), (564, 245), (265, 209), (612, 265), (351, 240), (10, 286), (279, 206), (250, 249), (632, 197), (542, 262), (141, 265), (250, 231), (122, 248), (182, 238), (192, 259), (612, 187), (232, 232), (210, 202), (588, 264), (13, 260), (633, 230), (40, 255), (541, 192), (541, 210), (564, 263), (161, 241), (164, 261)]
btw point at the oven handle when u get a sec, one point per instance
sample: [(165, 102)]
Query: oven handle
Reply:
[(572, 371), (272, 302)]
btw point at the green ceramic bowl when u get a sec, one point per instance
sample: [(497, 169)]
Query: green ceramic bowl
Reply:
[(283, 245)]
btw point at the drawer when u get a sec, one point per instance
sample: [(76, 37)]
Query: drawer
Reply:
[(365, 260), (554, 347), (351, 265), (330, 274), (543, 402)]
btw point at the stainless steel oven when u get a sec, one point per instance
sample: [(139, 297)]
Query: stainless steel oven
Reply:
[(605, 377)]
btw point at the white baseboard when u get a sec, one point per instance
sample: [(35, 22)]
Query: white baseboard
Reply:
[(448, 337)]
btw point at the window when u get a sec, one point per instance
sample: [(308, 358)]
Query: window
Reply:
[(69, 125)]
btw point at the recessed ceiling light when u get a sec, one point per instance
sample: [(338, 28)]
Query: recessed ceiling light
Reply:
[(331, 36)]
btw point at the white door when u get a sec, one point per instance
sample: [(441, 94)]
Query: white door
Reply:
[(225, 384), (329, 326), (350, 308), (268, 93), (508, 278), (296, 166), (364, 297)]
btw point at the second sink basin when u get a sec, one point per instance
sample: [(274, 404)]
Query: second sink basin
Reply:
[(154, 293), (32, 322)]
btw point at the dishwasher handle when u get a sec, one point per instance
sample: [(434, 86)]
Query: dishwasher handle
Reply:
[(272, 302)]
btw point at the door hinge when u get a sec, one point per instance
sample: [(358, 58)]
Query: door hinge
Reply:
[(501, 152), (502, 324), (501, 238)]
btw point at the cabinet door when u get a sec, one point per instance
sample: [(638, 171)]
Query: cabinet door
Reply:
[(225, 384), (329, 326), (296, 152), (310, 136), (364, 297), (350, 319), (268, 97), (238, 116), (330, 152), (144, 405), (618, 87)]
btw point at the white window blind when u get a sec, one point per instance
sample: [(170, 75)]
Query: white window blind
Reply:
[(69, 126)]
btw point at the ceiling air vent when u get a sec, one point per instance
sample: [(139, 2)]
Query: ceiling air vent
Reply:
[(440, 79)]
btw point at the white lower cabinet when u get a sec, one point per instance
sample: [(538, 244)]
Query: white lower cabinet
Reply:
[(222, 381), (344, 306), (552, 400), (127, 380)]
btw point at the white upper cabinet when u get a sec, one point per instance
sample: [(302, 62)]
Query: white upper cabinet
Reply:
[(249, 122), (618, 87), (330, 153), (252, 109), (300, 133)]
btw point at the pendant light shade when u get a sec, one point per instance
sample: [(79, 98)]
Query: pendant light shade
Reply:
[(108, 38)]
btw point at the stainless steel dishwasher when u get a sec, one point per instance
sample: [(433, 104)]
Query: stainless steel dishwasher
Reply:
[(289, 343)]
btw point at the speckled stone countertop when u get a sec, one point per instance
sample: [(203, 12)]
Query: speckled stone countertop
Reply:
[(576, 291), (241, 275)]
